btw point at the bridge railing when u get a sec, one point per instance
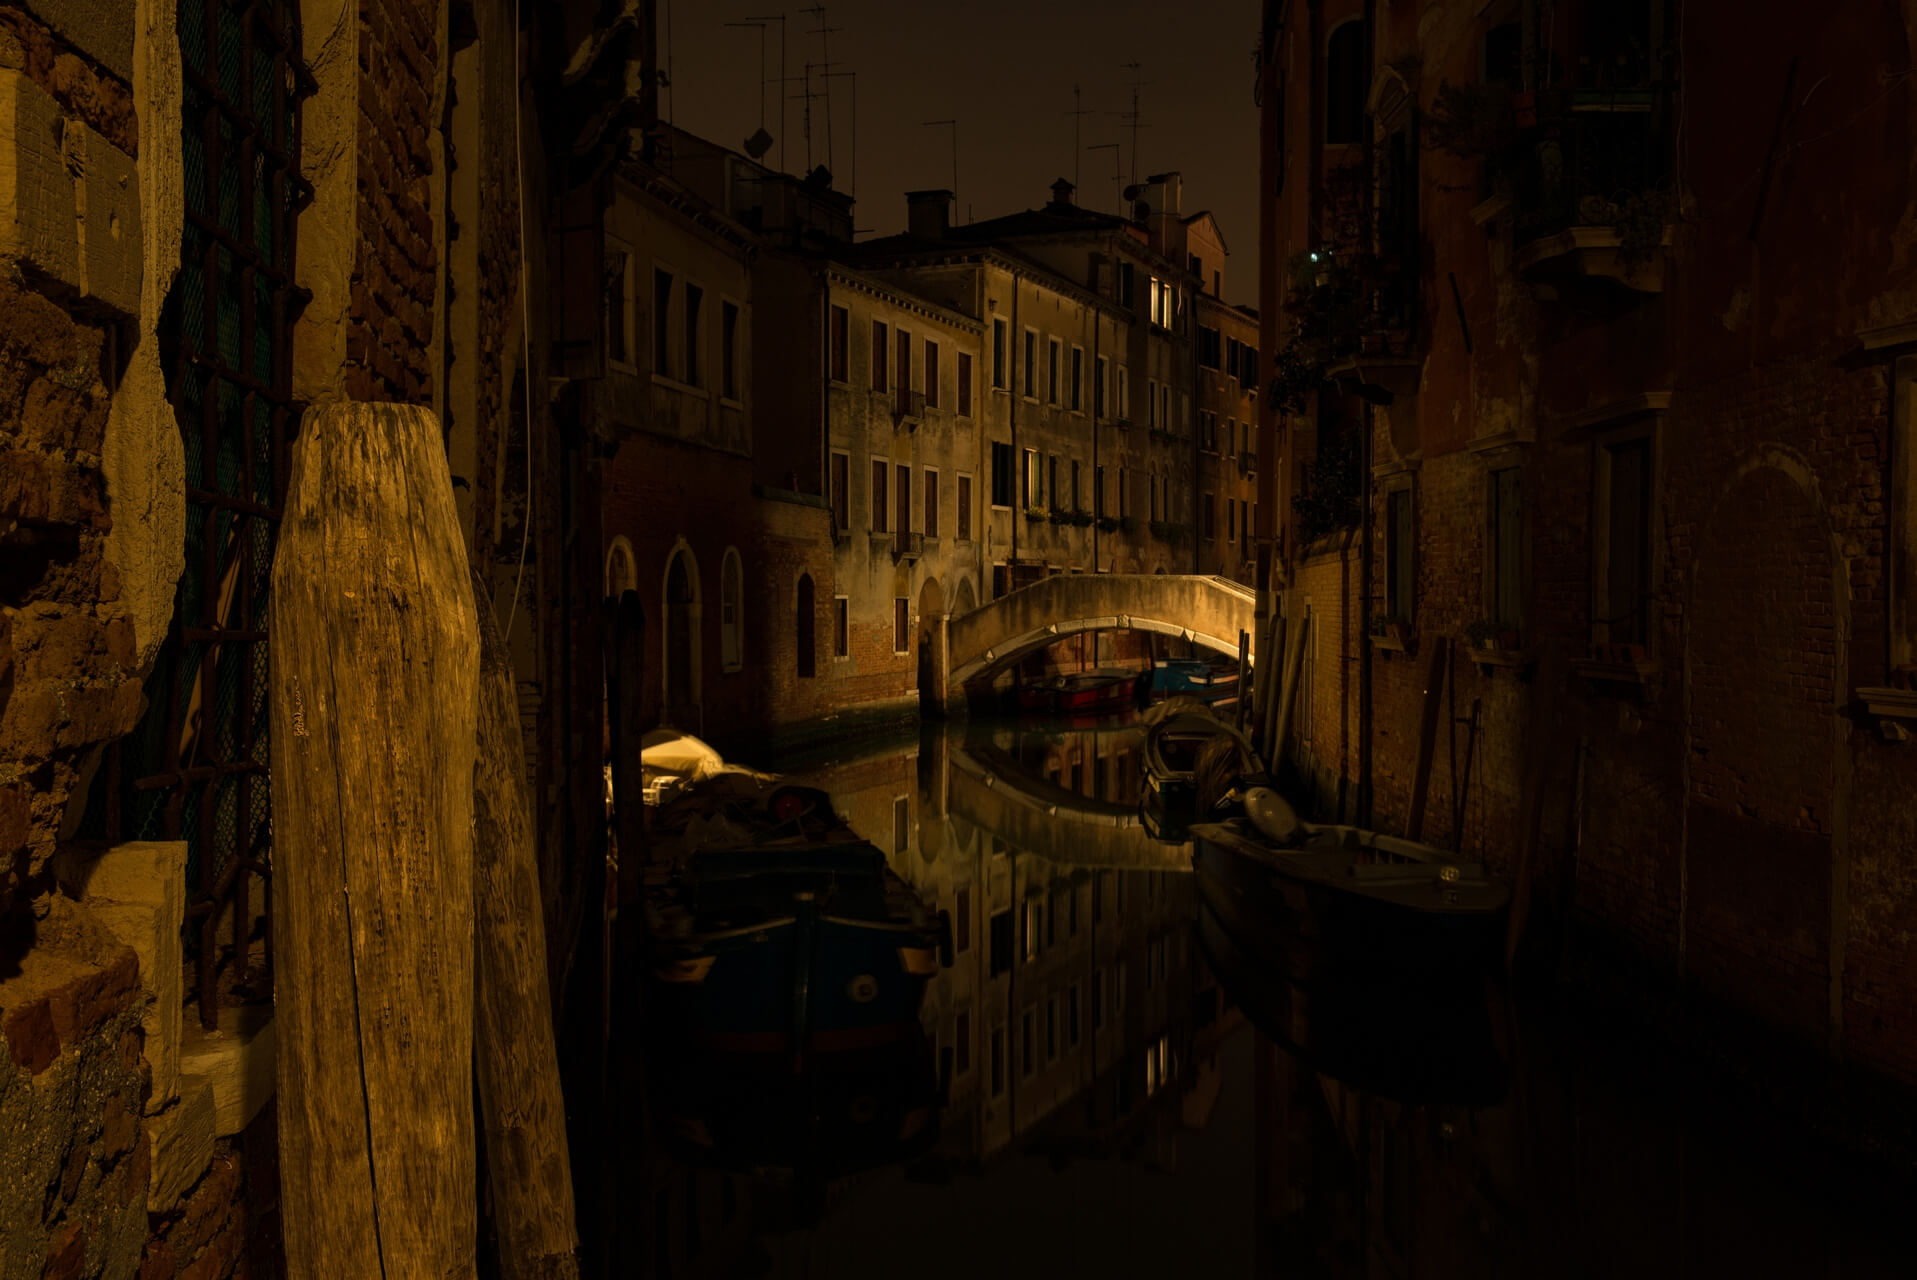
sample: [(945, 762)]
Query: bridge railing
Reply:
[(1208, 609)]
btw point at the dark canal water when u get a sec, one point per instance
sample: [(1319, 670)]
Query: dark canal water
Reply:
[(1109, 1108)]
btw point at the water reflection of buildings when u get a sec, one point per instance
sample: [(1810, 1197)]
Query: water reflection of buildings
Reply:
[(1078, 1018), (1074, 981)]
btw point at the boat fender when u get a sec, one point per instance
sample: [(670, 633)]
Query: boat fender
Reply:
[(1271, 815)]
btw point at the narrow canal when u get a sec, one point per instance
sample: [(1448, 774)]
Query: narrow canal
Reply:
[(1102, 1104)]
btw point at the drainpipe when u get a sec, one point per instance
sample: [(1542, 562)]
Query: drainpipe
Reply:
[(1098, 496), (825, 399), (1197, 463), (1013, 341), (1364, 623)]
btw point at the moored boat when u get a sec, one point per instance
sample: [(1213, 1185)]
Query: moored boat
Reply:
[(1195, 678), (1082, 692), (773, 928), (1189, 755), (1356, 901), (1403, 1038)]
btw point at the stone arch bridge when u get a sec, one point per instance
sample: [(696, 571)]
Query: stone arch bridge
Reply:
[(1207, 611)]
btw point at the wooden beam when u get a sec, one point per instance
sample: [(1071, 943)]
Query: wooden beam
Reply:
[(516, 1061), (1294, 664), (1434, 681), (373, 687)]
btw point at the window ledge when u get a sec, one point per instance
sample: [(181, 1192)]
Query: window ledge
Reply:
[(1593, 252), (687, 388), (1893, 709), (1639, 672), (1499, 440), (1387, 643), (1520, 662)]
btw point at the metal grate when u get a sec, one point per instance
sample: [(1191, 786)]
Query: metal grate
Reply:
[(195, 769)]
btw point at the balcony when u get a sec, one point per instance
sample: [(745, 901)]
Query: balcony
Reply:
[(1589, 203), (908, 409), (907, 547)]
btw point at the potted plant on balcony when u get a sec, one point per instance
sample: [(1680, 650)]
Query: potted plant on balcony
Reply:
[(1107, 523), (1037, 514), (1081, 517)]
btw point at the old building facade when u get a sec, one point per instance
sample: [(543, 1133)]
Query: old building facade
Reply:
[(1566, 420)]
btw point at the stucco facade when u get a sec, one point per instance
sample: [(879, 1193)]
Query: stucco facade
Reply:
[(1632, 469)]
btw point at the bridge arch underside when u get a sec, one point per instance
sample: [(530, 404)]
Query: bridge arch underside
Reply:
[(983, 668), (1034, 817)]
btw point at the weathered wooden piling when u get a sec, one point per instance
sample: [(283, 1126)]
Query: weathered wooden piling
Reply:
[(375, 662)]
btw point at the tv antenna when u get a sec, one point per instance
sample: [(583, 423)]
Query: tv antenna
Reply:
[(833, 75), (759, 142), (931, 124), (1078, 110), (783, 80), (825, 61), (1133, 117), (1118, 169), (805, 115)]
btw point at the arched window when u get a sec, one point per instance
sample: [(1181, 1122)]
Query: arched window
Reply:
[(1346, 83), (808, 630), (622, 573), (731, 611)]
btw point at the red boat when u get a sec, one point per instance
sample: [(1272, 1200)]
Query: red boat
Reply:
[(1082, 692)]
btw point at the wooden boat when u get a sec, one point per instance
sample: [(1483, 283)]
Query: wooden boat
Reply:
[(773, 928), (1196, 678), (1174, 745), (1348, 900), (846, 1112), (1394, 1036), (1081, 692), (671, 761)]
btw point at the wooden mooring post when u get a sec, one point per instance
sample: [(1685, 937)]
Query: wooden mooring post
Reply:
[(373, 685), (529, 1168)]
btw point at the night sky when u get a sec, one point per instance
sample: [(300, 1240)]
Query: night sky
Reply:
[(1005, 70)]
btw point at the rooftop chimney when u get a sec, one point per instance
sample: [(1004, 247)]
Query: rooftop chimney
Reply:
[(928, 214), (1062, 194)]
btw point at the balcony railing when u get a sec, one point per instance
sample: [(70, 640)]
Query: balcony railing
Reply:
[(1587, 163)]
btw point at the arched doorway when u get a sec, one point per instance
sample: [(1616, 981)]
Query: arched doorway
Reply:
[(681, 671), (967, 599), (1764, 684), (808, 629), (931, 648)]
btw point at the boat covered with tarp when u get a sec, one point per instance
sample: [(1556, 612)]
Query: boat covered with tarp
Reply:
[(1353, 946), (775, 928)]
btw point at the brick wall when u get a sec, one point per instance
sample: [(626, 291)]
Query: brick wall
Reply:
[(390, 326), (228, 1225), (67, 678), (73, 1086)]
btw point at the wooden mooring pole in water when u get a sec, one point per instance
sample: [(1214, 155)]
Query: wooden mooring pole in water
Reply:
[(529, 1168), (373, 683)]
